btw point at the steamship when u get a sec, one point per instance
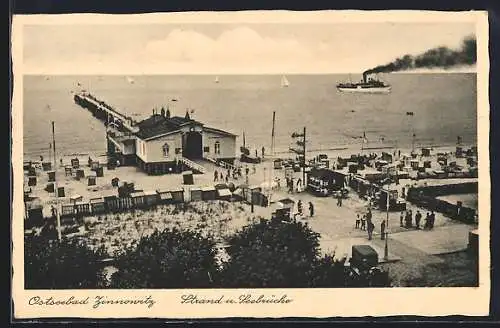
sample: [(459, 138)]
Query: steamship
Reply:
[(367, 85)]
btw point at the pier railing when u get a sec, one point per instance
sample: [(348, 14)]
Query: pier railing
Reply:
[(222, 164), (192, 165)]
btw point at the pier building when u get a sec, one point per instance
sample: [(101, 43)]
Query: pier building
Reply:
[(161, 143)]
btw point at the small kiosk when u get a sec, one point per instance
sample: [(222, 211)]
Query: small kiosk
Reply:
[(164, 196), (150, 198), (208, 193), (196, 194), (177, 195)]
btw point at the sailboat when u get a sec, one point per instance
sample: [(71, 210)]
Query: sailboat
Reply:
[(130, 80), (216, 79), (246, 157), (284, 82)]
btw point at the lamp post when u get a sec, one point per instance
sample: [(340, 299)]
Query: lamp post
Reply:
[(386, 247)]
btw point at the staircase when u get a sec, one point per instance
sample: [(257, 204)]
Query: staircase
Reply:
[(195, 167)]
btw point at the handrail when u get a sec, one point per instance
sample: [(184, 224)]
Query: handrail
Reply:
[(193, 165), (222, 164)]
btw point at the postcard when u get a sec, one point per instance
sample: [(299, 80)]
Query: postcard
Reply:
[(260, 164)]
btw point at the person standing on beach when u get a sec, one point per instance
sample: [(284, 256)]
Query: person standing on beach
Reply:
[(247, 170), (216, 176), (418, 217), (401, 217), (311, 209), (427, 221), (263, 151), (357, 221), (432, 219)]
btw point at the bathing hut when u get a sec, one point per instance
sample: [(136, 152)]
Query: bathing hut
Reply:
[(97, 205), (196, 194), (47, 166), (91, 180), (32, 181), (151, 198), (209, 193), (164, 196), (426, 152), (60, 191), (34, 215), (52, 176), (75, 163), (177, 195)]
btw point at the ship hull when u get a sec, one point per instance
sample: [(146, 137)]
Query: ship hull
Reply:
[(365, 90)]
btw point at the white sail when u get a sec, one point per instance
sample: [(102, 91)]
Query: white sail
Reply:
[(284, 81), (130, 80), (216, 79)]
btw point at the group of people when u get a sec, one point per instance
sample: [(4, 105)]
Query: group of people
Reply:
[(235, 173), (364, 222), (406, 220), (290, 184), (300, 209)]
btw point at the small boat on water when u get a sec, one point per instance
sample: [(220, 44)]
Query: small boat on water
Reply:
[(284, 82), (367, 85), (130, 80), (216, 80)]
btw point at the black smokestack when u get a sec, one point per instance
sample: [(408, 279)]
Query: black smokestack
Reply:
[(440, 57)]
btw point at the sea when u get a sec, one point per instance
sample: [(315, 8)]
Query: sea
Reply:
[(435, 108)]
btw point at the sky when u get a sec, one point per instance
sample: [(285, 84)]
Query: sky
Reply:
[(229, 48)]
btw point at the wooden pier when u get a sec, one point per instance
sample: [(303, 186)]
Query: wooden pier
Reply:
[(105, 112)]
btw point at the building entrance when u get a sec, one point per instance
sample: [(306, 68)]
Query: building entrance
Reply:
[(192, 145)]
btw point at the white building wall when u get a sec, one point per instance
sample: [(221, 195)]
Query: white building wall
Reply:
[(154, 148), (227, 145)]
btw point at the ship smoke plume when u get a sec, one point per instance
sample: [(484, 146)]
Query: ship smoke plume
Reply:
[(440, 57)]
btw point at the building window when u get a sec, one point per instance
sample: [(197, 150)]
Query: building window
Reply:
[(206, 149), (217, 148), (165, 150)]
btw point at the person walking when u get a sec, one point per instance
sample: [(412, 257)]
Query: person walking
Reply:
[(311, 209), (358, 220), (427, 221), (418, 217), (401, 218), (216, 176), (370, 228), (339, 200), (263, 151), (432, 219), (363, 222), (299, 207), (247, 170), (382, 230)]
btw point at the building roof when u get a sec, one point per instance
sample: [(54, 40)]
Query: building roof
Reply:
[(158, 125)]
